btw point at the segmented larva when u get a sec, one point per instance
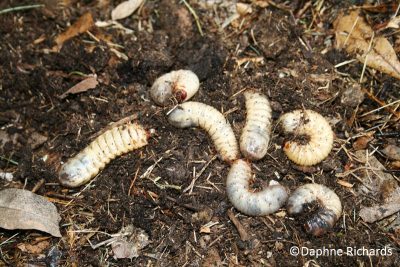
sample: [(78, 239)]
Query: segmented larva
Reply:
[(181, 84), (112, 143), (256, 132), (309, 124), (191, 114), (330, 207), (264, 202)]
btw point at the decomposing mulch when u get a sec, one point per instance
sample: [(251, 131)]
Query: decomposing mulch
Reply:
[(282, 50)]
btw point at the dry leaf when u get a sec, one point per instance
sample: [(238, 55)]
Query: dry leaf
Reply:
[(125, 9), (84, 23), (378, 212), (352, 95), (243, 9), (362, 142), (34, 249), (36, 139), (373, 181), (89, 83), (394, 23), (395, 164), (22, 209), (392, 152), (129, 247), (358, 38)]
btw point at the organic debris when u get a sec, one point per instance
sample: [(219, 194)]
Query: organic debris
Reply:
[(84, 23), (125, 9), (357, 37), (90, 82), (34, 249), (127, 243), (392, 152), (377, 183), (22, 209)]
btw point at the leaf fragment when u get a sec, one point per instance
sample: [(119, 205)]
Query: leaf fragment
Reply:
[(22, 209), (89, 83), (125, 9), (355, 36)]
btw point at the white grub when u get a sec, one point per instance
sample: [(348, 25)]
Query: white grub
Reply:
[(180, 84), (257, 130), (315, 129), (328, 213), (264, 202), (195, 114), (109, 145)]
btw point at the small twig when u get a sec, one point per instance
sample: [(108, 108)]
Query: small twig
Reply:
[(381, 103), (9, 160), (133, 182), (38, 186), (244, 236), (6, 241), (366, 57), (351, 31), (187, 206), (19, 8), (196, 18), (195, 177)]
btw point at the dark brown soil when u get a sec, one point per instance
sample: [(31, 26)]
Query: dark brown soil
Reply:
[(32, 77)]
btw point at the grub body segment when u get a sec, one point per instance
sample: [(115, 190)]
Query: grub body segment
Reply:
[(114, 142), (195, 114)]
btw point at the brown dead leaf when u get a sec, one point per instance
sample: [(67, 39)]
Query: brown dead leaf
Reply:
[(22, 209), (212, 259), (395, 164), (358, 38), (392, 152), (36, 139), (34, 249), (362, 142), (125, 9), (84, 23), (378, 212), (89, 83), (373, 177)]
